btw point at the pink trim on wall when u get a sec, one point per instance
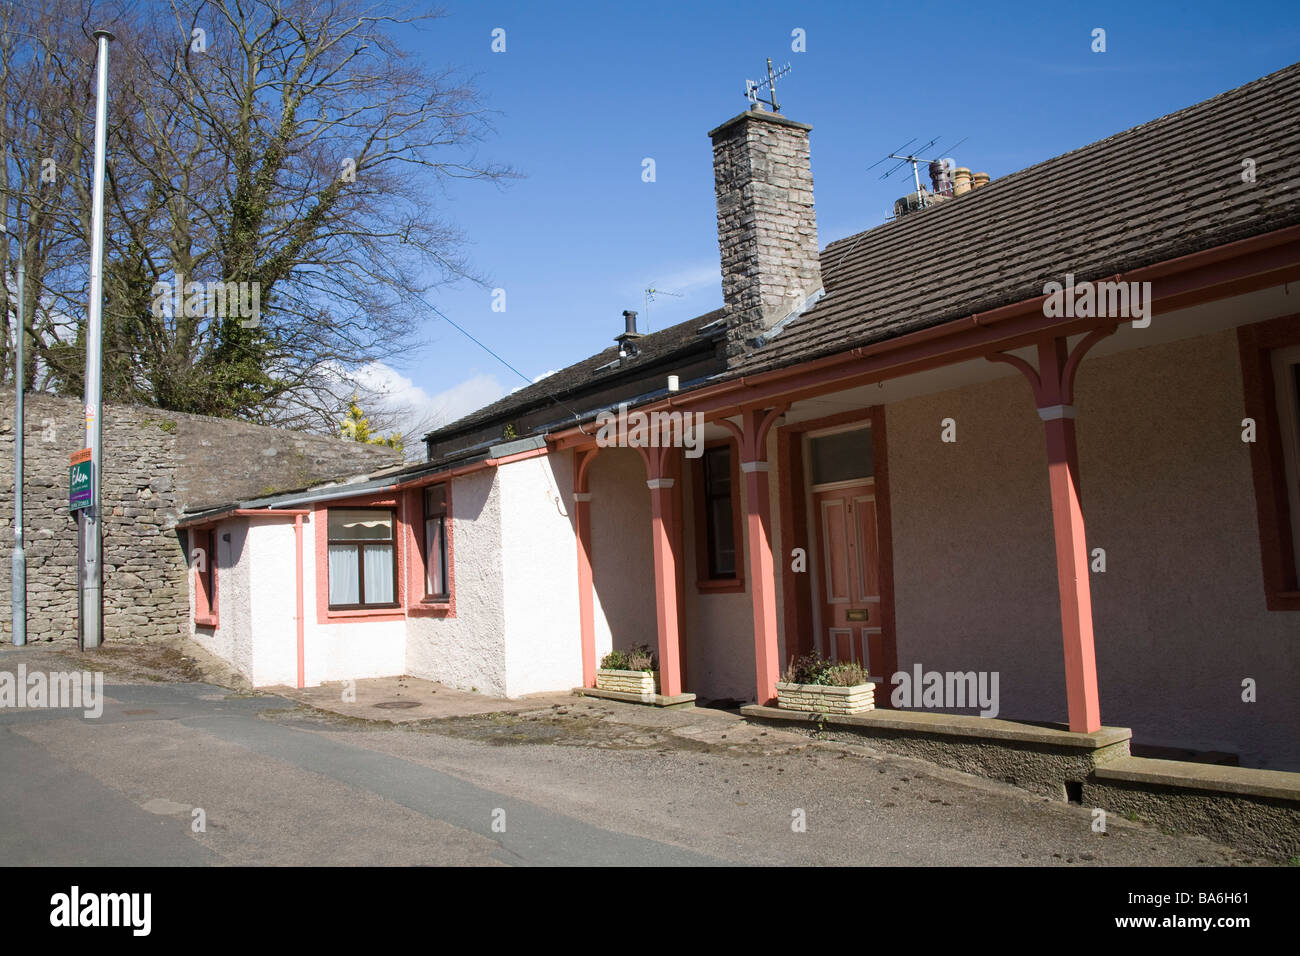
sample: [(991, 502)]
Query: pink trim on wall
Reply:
[(586, 585), (1268, 469), (412, 522), (207, 603), (242, 513), (300, 624), (517, 456), (703, 583)]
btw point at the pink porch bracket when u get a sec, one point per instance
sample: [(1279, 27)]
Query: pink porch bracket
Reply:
[(1053, 387), (586, 601), (661, 479), (751, 436)]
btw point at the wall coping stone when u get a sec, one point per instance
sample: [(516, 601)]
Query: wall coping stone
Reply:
[(954, 725), (1183, 775)]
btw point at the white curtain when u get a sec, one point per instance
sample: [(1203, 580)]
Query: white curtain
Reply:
[(379, 574), (345, 582), (433, 549)]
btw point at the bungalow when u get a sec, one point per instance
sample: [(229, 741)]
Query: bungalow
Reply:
[(915, 452)]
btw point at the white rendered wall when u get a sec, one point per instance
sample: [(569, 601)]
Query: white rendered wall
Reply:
[(333, 650), (272, 590), (468, 651), (622, 557), (232, 639), (719, 628), (543, 637)]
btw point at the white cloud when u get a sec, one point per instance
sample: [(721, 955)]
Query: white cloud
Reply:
[(412, 409), (692, 278)]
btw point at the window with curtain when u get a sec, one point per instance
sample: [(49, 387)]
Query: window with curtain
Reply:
[(436, 584), (362, 558)]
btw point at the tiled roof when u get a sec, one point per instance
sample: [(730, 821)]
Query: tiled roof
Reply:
[(591, 374), (1161, 190)]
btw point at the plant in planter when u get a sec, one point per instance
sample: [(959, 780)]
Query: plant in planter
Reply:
[(633, 671), (821, 686)]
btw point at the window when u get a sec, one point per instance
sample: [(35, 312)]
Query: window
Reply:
[(1286, 379), (435, 543), (719, 555), (1270, 372), (841, 456), (205, 577), (362, 558), (719, 528)]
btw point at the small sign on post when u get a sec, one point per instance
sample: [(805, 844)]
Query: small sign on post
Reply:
[(80, 480)]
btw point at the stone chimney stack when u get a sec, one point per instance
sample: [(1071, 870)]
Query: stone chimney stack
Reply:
[(767, 229)]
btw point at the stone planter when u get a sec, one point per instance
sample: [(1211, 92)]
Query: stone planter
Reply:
[(644, 683), (823, 699)]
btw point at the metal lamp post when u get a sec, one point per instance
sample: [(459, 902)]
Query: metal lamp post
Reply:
[(18, 567), (91, 619)]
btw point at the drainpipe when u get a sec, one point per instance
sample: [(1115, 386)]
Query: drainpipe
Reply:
[(297, 541), (18, 572)]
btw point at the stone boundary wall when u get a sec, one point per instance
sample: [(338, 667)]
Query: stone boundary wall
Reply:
[(157, 465)]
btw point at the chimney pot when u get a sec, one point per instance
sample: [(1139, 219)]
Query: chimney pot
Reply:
[(979, 180), (939, 178), (629, 322), (961, 181)]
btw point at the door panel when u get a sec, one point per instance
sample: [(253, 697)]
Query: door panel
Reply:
[(835, 551), (850, 572), (864, 527)]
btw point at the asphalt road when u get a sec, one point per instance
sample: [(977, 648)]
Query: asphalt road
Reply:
[(584, 783)]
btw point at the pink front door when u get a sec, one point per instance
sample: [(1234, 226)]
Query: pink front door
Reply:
[(848, 556)]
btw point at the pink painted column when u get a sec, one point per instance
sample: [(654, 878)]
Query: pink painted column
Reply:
[(751, 436), (1057, 411), (666, 586), (586, 600), (762, 582), (1053, 387), (1072, 575)]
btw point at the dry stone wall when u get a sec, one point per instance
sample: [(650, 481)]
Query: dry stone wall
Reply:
[(158, 464)]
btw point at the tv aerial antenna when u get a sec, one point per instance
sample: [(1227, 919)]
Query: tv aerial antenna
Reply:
[(752, 88), (915, 159), (650, 294)]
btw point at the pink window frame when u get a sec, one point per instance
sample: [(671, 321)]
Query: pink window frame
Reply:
[(320, 528), (207, 601), (413, 505)]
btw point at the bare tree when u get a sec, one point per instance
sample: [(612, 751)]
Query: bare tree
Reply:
[(291, 146)]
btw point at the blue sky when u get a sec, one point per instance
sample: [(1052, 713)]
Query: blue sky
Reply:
[(586, 91)]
